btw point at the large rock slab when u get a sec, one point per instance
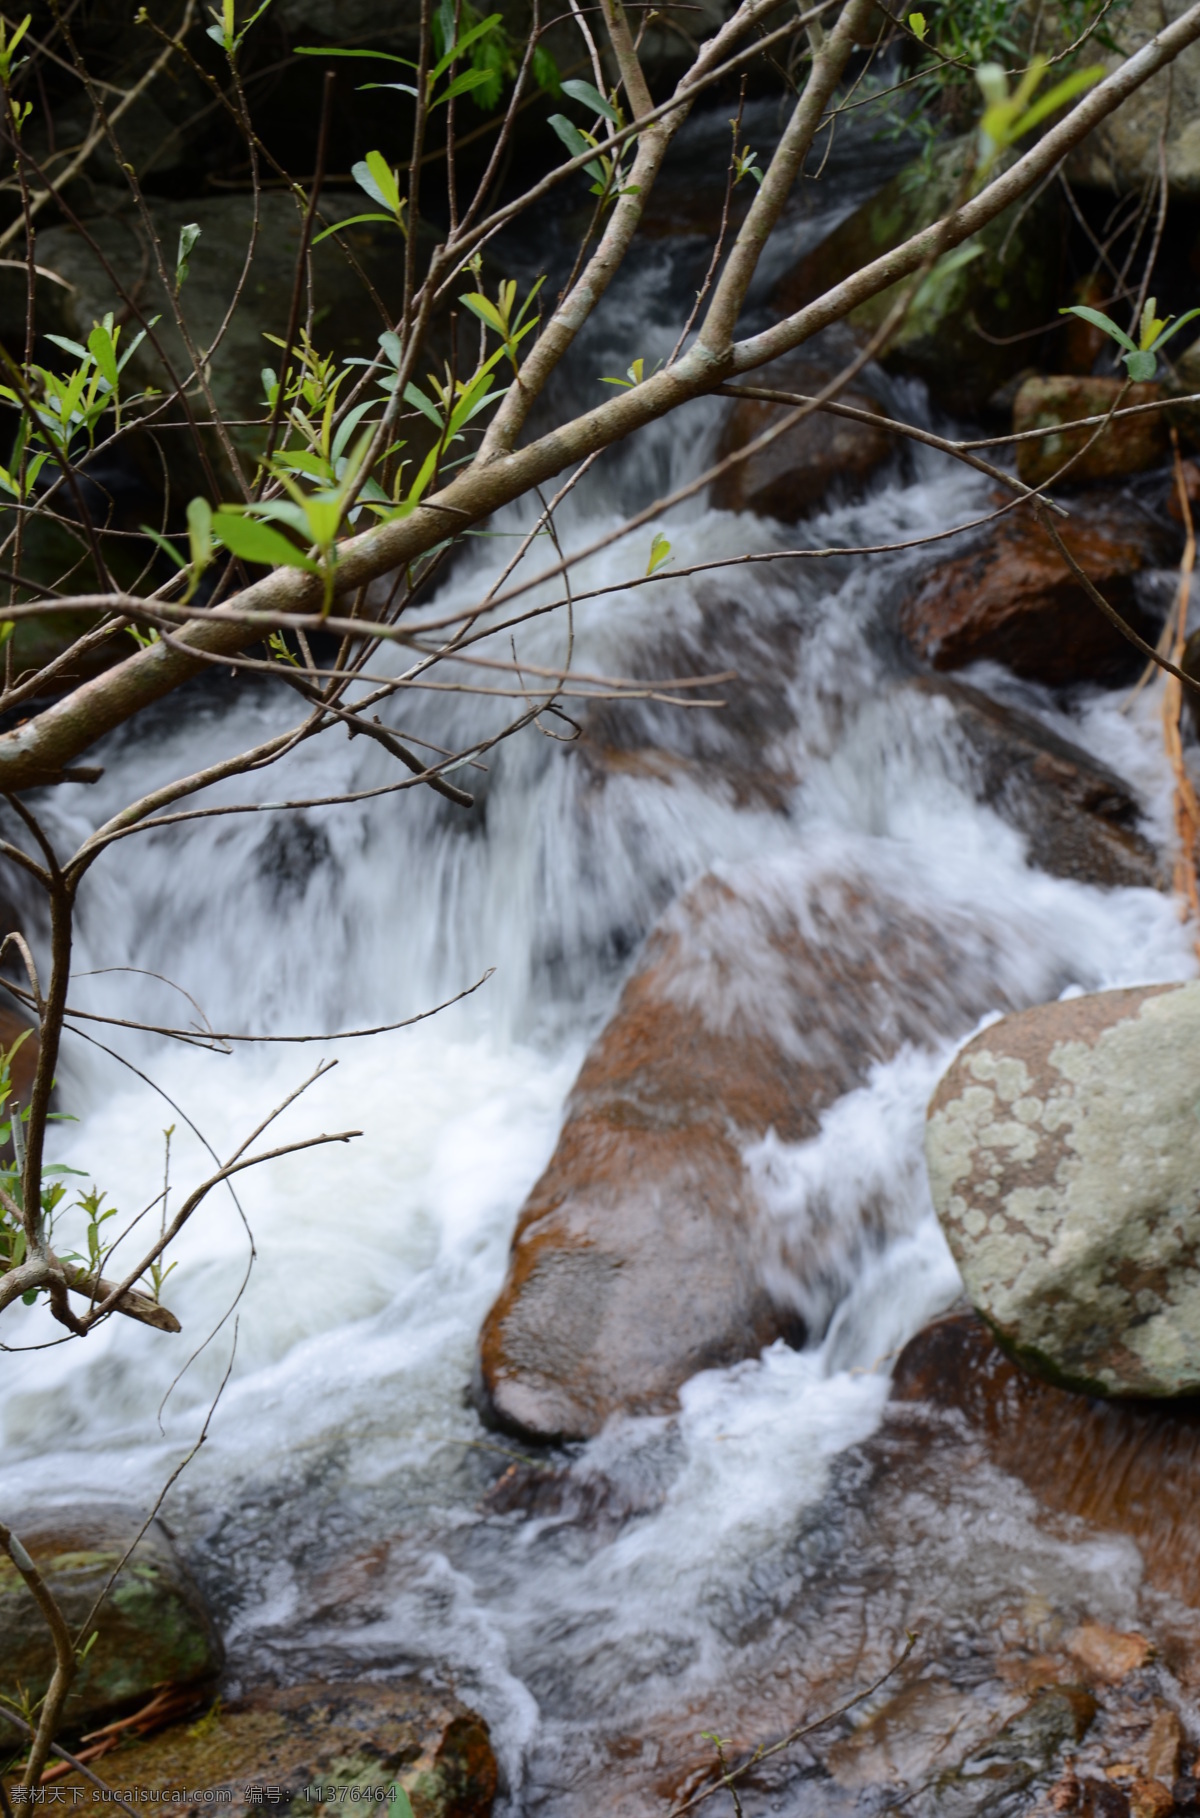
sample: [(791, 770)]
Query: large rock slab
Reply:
[(1079, 818), (315, 1749), (153, 1627), (639, 1256), (1064, 1158), (1012, 599)]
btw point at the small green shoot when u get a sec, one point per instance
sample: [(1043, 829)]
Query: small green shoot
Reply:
[(660, 552), (1140, 356), (189, 233), (1008, 117), (916, 25)]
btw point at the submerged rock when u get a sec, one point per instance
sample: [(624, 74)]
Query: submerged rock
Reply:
[(794, 474), (1127, 445), (321, 1748), (1012, 599), (1078, 817), (153, 1628), (639, 1257), (1120, 1467), (1064, 1154)]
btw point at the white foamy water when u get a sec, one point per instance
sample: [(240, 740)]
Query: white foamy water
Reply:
[(344, 1425)]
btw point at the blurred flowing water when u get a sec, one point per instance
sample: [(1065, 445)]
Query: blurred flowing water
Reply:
[(699, 1566)]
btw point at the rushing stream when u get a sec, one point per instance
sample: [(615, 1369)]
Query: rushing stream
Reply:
[(688, 1574)]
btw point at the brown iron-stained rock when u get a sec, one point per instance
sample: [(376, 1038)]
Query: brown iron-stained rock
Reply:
[(1079, 818), (1063, 1147), (1012, 599), (639, 1255), (1127, 445), (794, 474)]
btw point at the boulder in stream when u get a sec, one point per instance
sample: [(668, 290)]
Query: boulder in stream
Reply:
[(1126, 445), (1011, 598), (153, 1628), (640, 1255), (1079, 818), (795, 473), (1064, 1154), (1158, 125)]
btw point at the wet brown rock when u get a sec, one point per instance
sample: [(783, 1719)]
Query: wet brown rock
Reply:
[(153, 1626), (1163, 1747), (1078, 816), (1012, 599), (322, 1748), (1063, 1151), (1129, 1468), (1150, 1799), (1107, 1655), (795, 473), (1127, 445), (639, 1256)]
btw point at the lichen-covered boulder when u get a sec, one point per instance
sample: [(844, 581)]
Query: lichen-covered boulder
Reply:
[(1063, 1147), (152, 1628)]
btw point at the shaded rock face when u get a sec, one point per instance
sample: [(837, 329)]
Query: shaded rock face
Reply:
[(1079, 818), (795, 473), (1011, 286), (319, 1748), (639, 1256), (1130, 1468), (154, 1628), (1012, 599), (1128, 445), (1122, 153), (1064, 1158)]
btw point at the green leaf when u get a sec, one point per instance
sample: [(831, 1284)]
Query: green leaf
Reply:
[(1141, 364), (189, 233), (420, 402), (100, 346), (463, 84), (399, 1806), (570, 135), (253, 541), (916, 25), (375, 175), (351, 221), (591, 98), (486, 310), (334, 50), (1099, 320), (200, 533), (660, 550), (1174, 327), (545, 72), (468, 38), (165, 544), (1058, 97)]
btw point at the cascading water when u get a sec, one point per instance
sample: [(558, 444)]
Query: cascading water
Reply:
[(700, 1584)]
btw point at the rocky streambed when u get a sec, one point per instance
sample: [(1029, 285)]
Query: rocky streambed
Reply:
[(617, 1391)]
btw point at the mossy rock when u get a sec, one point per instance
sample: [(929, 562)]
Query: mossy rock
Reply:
[(967, 305), (153, 1628), (319, 1748)]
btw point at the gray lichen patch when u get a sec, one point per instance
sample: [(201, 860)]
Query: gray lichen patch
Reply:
[(1063, 1148)]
